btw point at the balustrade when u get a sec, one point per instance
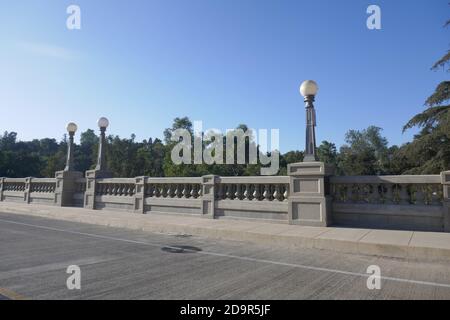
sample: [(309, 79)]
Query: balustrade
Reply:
[(253, 189), (406, 190)]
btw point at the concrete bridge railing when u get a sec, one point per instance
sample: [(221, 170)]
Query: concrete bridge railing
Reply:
[(309, 195), (28, 190), (400, 202)]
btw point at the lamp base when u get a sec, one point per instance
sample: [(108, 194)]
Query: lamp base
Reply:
[(310, 158)]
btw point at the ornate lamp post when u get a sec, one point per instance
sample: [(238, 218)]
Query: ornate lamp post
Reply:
[(71, 129), (308, 90), (102, 124)]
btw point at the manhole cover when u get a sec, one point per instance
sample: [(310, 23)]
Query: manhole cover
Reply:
[(180, 249), (183, 235)]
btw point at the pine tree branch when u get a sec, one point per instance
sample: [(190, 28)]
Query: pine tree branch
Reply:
[(428, 117), (442, 62), (440, 95)]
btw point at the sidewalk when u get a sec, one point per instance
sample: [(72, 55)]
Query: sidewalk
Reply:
[(397, 244)]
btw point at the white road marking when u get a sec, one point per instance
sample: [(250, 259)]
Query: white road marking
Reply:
[(286, 264)]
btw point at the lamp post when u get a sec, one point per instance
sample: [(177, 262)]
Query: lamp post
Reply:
[(102, 124), (308, 90), (71, 129)]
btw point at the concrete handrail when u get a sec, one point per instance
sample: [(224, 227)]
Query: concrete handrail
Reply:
[(256, 179), (400, 179)]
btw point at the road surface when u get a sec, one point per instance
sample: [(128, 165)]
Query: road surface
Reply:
[(124, 264)]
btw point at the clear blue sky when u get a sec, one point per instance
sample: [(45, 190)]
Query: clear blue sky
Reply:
[(143, 63)]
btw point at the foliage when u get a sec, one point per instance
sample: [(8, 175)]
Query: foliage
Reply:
[(429, 152)]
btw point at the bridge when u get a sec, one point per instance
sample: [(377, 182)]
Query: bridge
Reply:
[(348, 218)]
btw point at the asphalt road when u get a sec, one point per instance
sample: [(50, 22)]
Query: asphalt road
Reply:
[(123, 264)]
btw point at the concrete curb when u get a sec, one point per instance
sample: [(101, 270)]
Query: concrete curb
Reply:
[(256, 232)]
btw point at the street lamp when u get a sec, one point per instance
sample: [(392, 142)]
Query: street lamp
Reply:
[(71, 129), (102, 124), (308, 90)]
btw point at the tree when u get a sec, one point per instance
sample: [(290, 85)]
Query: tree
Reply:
[(327, 153), (365, 153), (289, 157), (429, 152), (85, 154)]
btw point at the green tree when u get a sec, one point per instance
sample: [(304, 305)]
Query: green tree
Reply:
[(429, 152), (327, 153), (365, 153)]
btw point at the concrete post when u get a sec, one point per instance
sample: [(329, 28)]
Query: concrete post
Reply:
[(208, 196), (89, 195), (139, 194), (309, 202), (2, 180), (445, 180), (65, 187), (27, 191)]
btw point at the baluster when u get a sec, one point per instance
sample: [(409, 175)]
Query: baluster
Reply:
[(286, 192), (389, 196), (247, 193), (227, 191), (420, 196), (361, 194), (177, 190), (404, 196), (184, 193), (180, 191), (340, 192), (238, 194), (266, 193), (435, 195), (131, 188), (152, 189), (276, 193), (256, 193), (172, 190), (428, 193), (374, 196), (349, 194), (163, 190)]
